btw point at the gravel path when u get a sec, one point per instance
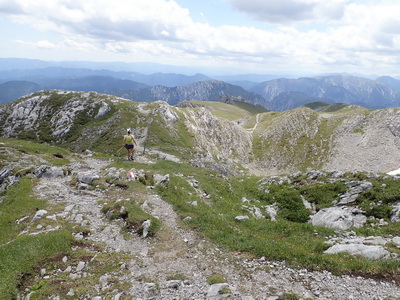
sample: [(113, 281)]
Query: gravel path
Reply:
[(179, 262)]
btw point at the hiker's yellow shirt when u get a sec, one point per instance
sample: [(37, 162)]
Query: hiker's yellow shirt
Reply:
[(129, 139)]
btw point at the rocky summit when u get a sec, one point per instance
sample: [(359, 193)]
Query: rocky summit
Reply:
[(220, 201)]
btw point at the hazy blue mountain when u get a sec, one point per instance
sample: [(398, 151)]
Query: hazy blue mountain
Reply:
[(390, 82), (247, 85), (168, 79), (149, 82), (210, 90), (12, 90), (282, 94), (90, 83), (140, 67), (42, 74), (258, 78)]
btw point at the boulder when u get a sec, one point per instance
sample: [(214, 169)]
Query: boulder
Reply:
[(39, 214), (40, 171), (161, 179), (88, 152), (395, 218), (53, 172), (113, 173), (146, 226), (193, 203), (313, 175), (80, 266), (217, 289), (253, 210), (88, 176), (174, 284), (341, 218), (272, 211), (241, 218), (370, 252)]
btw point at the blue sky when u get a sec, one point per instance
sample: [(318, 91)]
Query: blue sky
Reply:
[(257, 36)]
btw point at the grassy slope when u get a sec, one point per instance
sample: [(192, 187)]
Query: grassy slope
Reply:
[(229, 111), (300, 138), (19, 254), (22, 255), (291, 239)]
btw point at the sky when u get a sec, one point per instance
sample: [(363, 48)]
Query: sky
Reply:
[(238, 36)]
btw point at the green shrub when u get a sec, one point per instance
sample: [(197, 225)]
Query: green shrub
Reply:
[(133, 216), (386, 191), (289, 201), (291, 206), (323, 194), (289, 296), (215, 278), (379, 211)]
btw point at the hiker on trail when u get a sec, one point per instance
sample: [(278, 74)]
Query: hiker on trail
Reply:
[(129, 143)]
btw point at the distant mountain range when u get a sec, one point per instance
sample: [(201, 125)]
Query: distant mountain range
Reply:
[(210, 90), (276, 94), (283, 94)]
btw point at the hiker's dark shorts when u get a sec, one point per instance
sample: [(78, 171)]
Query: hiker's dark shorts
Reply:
[(127, 146)]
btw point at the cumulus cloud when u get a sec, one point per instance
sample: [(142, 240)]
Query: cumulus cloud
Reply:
[(290, 11), (337, 33), (62, 45), (115, 20)]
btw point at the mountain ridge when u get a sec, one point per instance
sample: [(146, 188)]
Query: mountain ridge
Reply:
[(277, 92), (258, 144)]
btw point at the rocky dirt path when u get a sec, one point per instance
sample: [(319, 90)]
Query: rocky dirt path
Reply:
[(256, 124), (177, 263)]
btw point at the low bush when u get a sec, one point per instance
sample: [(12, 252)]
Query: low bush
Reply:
[(133, 216), (322, 194)]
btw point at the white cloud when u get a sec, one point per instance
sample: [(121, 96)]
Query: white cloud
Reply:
[(291, 11), (63, 45), (308, 34), (114, 20)]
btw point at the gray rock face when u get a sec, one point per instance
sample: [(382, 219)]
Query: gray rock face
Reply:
[(355, 188), (4, 173), (342, 218), (221, 138), (370, 252), (7, 179), (28, 114)]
